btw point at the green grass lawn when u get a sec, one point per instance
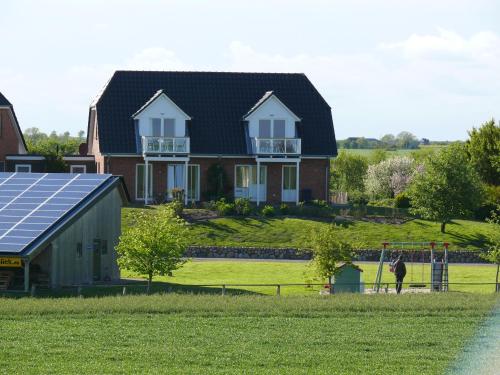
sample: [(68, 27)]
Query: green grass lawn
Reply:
[(178, 334), (262, 272), (297, 232)]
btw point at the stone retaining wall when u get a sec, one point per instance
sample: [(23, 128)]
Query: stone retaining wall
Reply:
[(455, 256)]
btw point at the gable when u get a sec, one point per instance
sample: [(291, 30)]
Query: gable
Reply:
[(11, 138), (216, 103)]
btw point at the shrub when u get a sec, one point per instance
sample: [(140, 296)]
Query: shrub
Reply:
[(177, 207), (284, 209), (402, 201), (357, 197), (268, 210), (223, 207), (242, 206), (319, 203), (387, 202), (177, 194)]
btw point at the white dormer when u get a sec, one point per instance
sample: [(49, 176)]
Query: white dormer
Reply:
[(272, 127), (161, 117)]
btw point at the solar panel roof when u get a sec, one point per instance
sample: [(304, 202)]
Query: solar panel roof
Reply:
[(31, 203)]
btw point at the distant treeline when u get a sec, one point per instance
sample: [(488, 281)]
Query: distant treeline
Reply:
[(404, 140)]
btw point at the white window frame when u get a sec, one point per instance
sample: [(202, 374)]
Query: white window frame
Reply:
[(272, 119), (23, 165), (283, 181), (78, 166), (150, 185), (163, 124), (197, 192), (250, 166)]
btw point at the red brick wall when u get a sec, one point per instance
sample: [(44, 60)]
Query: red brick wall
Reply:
[(313, 174), (9, 142)]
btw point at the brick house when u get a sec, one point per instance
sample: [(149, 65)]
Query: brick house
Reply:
[(271, 133), (12, 145)]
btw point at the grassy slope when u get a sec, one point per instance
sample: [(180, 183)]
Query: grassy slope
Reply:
[(294, 232), (251, 272), (208, 334)]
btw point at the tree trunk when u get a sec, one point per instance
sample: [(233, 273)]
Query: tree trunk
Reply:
[(443, 226), (497, 287), (150, 279), (330, 284)]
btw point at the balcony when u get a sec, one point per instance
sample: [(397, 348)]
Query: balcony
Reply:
[(277, 146), (164, 145)]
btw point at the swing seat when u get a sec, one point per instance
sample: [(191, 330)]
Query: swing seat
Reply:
[(417, 285)]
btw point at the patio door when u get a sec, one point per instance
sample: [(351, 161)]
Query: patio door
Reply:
[(246, 182), (175, 178), (289, 189)]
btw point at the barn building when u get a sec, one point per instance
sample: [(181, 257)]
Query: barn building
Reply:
[(59, 229)]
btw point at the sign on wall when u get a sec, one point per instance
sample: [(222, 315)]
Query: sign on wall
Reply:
[(10, 262)]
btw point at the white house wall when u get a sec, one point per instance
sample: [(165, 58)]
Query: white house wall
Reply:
[(161, 107), (271, 109)]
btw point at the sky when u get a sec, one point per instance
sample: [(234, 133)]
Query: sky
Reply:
[(384, 66)]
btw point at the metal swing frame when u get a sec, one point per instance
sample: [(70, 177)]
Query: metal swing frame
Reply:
[(401, 246)]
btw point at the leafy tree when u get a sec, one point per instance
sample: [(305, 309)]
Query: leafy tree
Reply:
[(154, 244), (493, 253), (388, 140), (217, 182), (348, 172), (406, 140), (483, 147), (389, 177), (447, 188), (52, 146), (330, 247)]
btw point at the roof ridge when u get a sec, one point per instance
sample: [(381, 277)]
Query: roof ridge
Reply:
[(206, 71)]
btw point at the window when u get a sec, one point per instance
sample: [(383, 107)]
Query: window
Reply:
[(246, 182), (242, 176), (2, 166), (193, 182), (79, 250), (264, 128), (169, 127), (289, 177), (175, 178), (140, 179), (23, 168), (78, 169), (156, 127), (279, 129), (272, 129)]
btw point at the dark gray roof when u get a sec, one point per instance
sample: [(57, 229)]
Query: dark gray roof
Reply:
[(217, 103), (5, 102)]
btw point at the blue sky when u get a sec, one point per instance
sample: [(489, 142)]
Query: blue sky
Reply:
[(429, 67)]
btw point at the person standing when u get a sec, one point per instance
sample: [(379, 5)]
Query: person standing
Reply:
[(399, 268)]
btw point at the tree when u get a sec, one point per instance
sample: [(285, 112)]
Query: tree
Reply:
[(406, 140), (330, 247), (447, 188), (388, 140), (154, 244), (493, 253), (348, 172), (483, 147), (389, 177)]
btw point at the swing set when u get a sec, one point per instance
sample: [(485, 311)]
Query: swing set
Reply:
[(418, 252)]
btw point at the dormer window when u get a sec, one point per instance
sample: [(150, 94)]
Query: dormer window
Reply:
[(272, 128)]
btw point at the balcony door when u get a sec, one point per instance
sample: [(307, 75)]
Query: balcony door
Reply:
[(175, 178), (246, 182)]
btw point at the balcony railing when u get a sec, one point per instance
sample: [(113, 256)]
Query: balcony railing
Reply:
[(164, 145), (277, 146)]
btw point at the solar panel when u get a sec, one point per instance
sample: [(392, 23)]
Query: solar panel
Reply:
[(31, 203)]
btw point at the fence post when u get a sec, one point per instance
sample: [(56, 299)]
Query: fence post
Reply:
[(278, 290), (223, 289), (33, 290), (124, 290)]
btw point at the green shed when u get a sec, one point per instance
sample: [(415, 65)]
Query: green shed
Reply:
[(347, 279)]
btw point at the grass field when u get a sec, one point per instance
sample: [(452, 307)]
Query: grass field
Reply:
[(391, 153), (177, 334), (297, 232), (262, 272)]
